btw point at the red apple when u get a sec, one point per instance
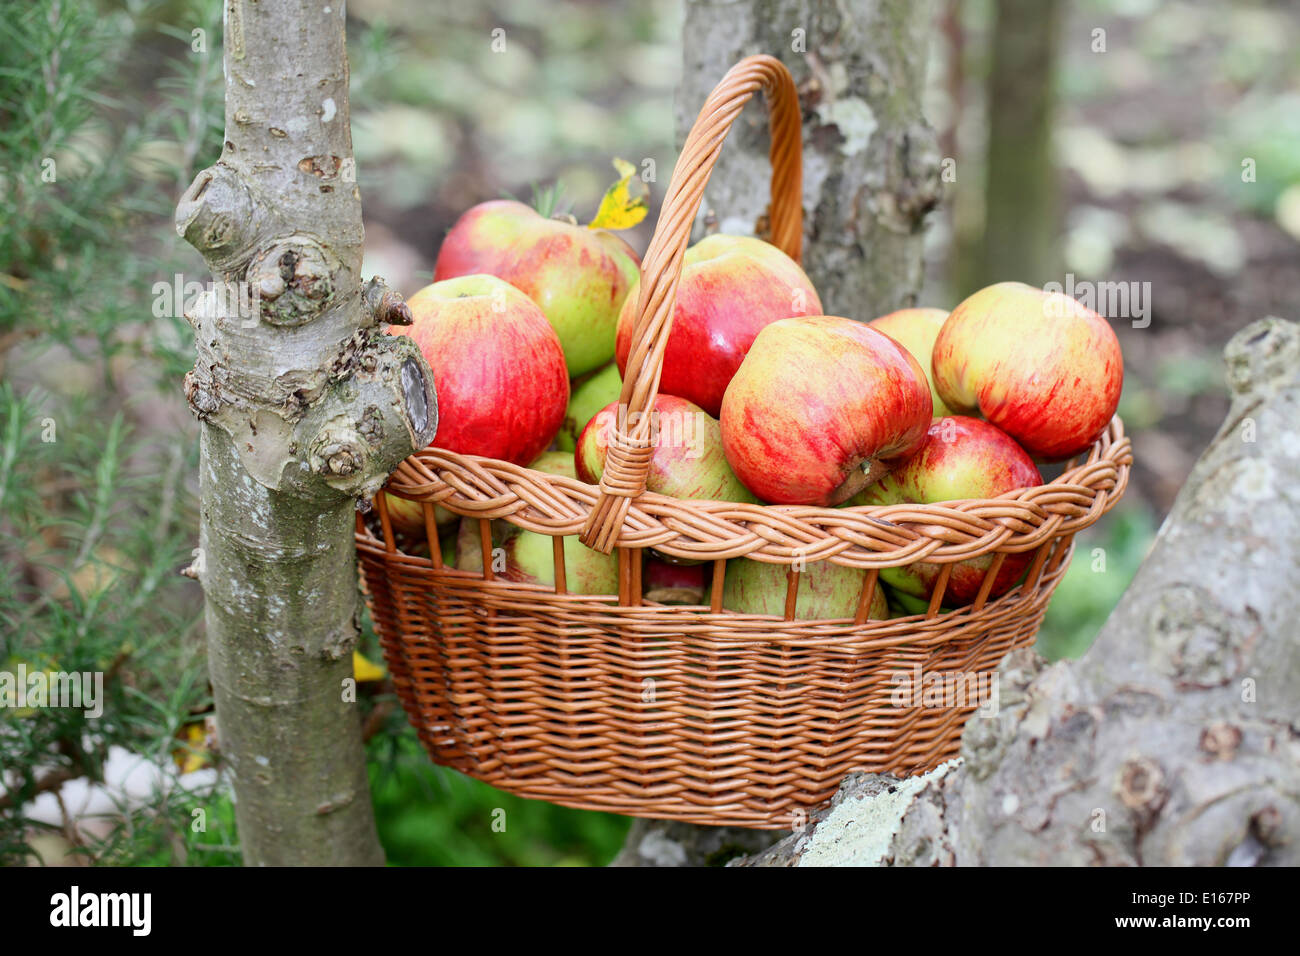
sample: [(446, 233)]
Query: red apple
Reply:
[(827, 591), (578, 276), (529, 557), (667, 582), (961, 458), (916, 330), (497, 367), (1039, 365), (476, 242), (731, 287), (821, 406), (688, 460)]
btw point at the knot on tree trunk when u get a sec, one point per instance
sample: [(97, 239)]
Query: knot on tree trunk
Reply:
[(1263, 356), (219, 217), (292, 364)]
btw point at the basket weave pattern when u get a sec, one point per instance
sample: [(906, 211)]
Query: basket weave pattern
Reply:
[(700, 714)]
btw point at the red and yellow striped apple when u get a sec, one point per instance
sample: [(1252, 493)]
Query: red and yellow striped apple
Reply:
[(497, 367), (916, 330), (688, 460), (731, 287), (498, 371), (820, 408), (578, 276), (962, 458), (1039, 365)]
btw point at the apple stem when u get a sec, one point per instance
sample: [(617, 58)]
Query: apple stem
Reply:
[(874, 469)]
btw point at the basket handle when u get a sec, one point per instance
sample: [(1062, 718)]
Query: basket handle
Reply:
[(627, 459)]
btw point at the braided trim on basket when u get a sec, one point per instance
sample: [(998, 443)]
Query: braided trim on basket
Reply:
[(863, 537)]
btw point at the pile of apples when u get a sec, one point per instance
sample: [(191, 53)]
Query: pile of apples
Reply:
[(762, 399)]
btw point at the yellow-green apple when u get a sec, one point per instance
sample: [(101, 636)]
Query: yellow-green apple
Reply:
[(820, 408), (916, 330), (447, 547), (731, 287), (902, 604), (589, 396), (827, 591), (578, 276), (550, 462), (529, 557), (962, 458), (497, 366), (408, 516), (670, 583), (554, 463), (469, 551), (1039, 365), (687, 462), (418, 544)]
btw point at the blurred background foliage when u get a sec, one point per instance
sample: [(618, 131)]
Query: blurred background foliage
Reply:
[(108, 107)]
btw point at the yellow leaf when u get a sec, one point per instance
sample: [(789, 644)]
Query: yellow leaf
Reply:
[(192, 755), (364, 670), (624, 203)]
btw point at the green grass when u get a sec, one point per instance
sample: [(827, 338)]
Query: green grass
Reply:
[(431, 816)]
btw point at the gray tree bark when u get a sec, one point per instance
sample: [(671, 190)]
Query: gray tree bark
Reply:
[(871, 173), (1021, 238), (306, 406), (661, 843), (871, 165), (1174, 742)]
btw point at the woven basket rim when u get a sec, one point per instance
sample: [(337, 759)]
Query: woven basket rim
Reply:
[(699, 620), (863, 536)]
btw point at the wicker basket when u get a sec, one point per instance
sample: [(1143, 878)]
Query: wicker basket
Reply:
[(695, 713)]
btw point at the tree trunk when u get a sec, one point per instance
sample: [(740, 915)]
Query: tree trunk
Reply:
[(305, 408), (1021, 238), (1174, 741), (871, 167), (871, 172)]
